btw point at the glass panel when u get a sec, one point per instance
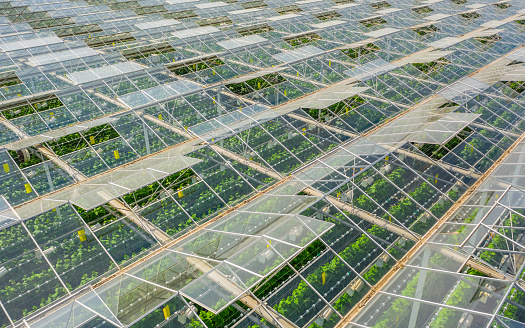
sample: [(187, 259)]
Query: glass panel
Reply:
[(129, 298), (21, 293), (70, 246)]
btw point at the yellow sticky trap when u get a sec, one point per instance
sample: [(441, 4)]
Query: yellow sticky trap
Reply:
[(297, 73), (166, 312), (185, 128), (329, 63), (324, 277), (115, 152), (387, 158), (28, 188), (113, 44), (213, 72), (160, 117), (390, 218), (92, 140), (19, 95), (81, 235), (269, 243), (51, 114), (6, 168), (304, 129), (259, 85), (54, 210), (181, 194), (285, 92)]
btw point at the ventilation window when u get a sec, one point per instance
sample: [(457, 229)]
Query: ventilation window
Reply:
[(303, 39), (150, 10), (518, 86), (250, 30), (194, 65), (471, 15), (432, 66), (489, 39), (288, 10), (9, 79), (180, 14), (374, 21), (77, 30), (215, 21), (124, 5), (27, 107), (147, 51), (256, 84), (360, 51), (422, 10), (436, 151), (502, 5), (111, 39), (380, 5), (327, 15), (430, 29), (253, 4)]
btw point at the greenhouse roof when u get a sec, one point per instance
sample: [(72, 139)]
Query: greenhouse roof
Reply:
[(262, 163)]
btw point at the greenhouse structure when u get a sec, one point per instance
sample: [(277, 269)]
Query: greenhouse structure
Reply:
[(262, 163)]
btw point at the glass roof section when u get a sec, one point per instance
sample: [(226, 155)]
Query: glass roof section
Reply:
[(32, 43), (472, 233), (89, 195), (103, 72), (262, 163)]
